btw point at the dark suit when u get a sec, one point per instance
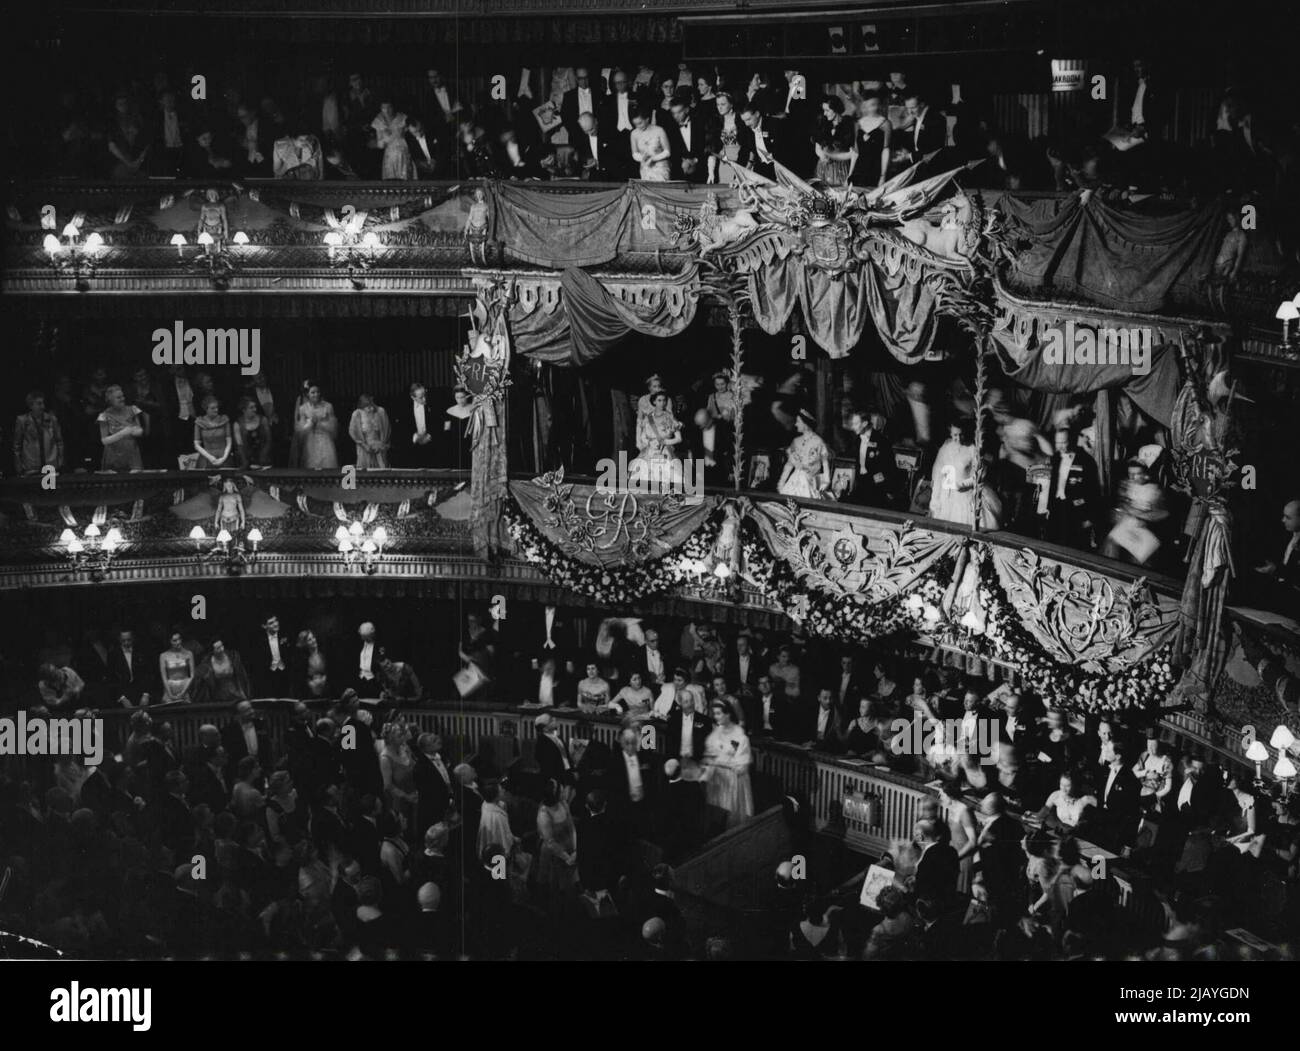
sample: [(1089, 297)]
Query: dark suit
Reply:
[(610, 163), (570, 110), (1002, 861), (832, 737), (209, 788), (936, 873), (775, 139), (361, 762), (930, 136), (875, 477), (607, 119), (434, 793), (620, 785), (683, 817), (426, 163), (692, 156), (673, 734), (367, 689), (1071, 519), (640, 663), (1200, 807), (600, 853), (129, 679), (550, 759), (236, 745), (405, 451), (749, 683), (171, 820), (265, 682)]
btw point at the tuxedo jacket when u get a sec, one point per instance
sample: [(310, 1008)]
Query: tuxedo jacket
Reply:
[(236, 745), (1199, 809), (640, 664), (1071, 518), (434, 792), (673, 734), (619, 787), (832, 739), (133, 679), (775, 135), (426, 167), (875, 475), (1123, 800), (569, 111), (936, 873), (611, 157), (1288, 571), (749, 684), (550, 759), (932, 134), (264, 682), (401, 418), (1002, 860), (608, 117), (697, 151)]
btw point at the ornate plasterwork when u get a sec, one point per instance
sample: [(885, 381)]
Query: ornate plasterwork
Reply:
[(1081, 618)]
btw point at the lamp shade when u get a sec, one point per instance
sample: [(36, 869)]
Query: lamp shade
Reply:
[(1288, 311), (1282, 738), (223, 537), (205, 238), (1284, 768), (240, 238), (254, 535), (67, 536), (1257, 752), (94, 242), (51, 244), (197, 533), (178, 240)]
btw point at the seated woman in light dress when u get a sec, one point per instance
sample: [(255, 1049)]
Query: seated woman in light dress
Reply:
[(807, 470), (726, 763), (1066, 806)]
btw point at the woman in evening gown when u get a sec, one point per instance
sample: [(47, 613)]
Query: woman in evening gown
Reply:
[(176, 666), (730, 135), (121, 427), (213, 438), (557, 864), (390, 136), (871, 146), (834, 142), (650, 147), (952, 482), (370, 430), (807, 470), (727, 759), (309, 671), (252, 435), (657, 432), (315, 427), (221, 677)]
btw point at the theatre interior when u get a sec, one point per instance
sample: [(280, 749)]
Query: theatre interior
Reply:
[(652, 480)]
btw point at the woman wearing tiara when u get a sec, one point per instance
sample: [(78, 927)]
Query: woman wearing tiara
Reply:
[(807, 469), (726, 761), (657, 432)]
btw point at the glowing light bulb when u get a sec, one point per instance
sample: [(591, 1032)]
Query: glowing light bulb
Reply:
[(76, 547), (1282, 738), (67, 536), (381, 536), (197, 533), (341, 533), (369, 547), (1284, 768), (71, 230)]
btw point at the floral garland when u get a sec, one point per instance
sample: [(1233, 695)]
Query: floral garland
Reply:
[(898, 619), (615, 585)]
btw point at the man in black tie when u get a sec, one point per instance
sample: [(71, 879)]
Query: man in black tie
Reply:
[(687, 729), (432, 782), (551, 752), (1002, 862), (247, 736), (598, 152), (928, 134), (1121, 799), (632, 781), (269, 670), (365, 665), (584, 98), (713, 445), (128, 672), (1074, 495), (423, 147), (767, 140), (682, 812), (419, 431), (1284, 572), (876, 476), (688, 141), (615, 118), (938, 867)]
